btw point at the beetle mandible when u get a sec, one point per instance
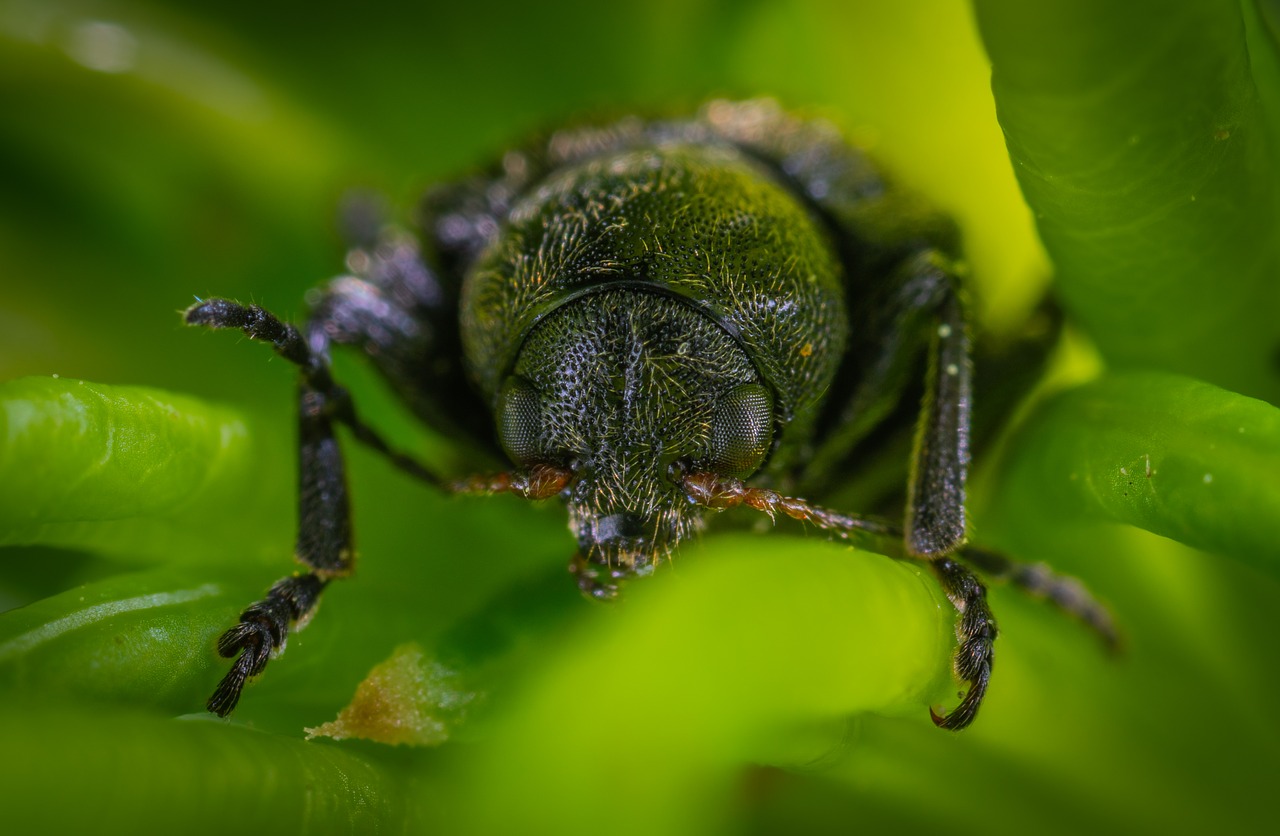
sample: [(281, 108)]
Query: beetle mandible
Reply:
[(654, 320)]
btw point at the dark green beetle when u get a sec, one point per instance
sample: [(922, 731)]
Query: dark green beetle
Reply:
[(641, 317)]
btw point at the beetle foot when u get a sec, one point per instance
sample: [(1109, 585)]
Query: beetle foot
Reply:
[(261, 634), (254, 653), (976, 632)]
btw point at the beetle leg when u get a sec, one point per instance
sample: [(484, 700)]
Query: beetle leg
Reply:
[(324, 543), (918, 312), (936, 488), (320, 392), (923, 311), (1036, 579), (261, 634), (976, 634), (404, 316)]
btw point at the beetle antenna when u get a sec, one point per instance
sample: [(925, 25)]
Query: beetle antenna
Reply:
[(541, 481), (719, 492)]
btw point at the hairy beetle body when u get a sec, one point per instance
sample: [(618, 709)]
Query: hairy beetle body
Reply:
[(655, 321)]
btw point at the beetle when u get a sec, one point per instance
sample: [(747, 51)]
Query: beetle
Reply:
[(655, 320)]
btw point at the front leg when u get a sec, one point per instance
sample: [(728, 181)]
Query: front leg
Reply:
[(919, 311), (940, 461), (324, 543)]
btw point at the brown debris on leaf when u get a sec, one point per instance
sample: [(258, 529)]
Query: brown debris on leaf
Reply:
[(408, 699)]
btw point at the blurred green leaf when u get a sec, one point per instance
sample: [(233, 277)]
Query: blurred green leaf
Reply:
[(752, 653), (138, 774), (1141, 145)]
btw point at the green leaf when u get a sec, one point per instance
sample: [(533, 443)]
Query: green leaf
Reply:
[(1140, 142), (84, 463), (138, 774), (750, 651), (137, 639), (1172, 455)]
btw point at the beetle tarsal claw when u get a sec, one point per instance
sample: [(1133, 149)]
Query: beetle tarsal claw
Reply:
[(964, 713), (975, 633)]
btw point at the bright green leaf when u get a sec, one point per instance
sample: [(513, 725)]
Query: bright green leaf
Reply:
[(143, 640), (86, 463), (1169, 454), (1141, 145)]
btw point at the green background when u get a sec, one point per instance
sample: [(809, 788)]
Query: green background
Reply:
[(150, 154)]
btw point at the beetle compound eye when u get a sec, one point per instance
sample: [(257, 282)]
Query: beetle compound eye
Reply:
[(742, 431), (520, 419)]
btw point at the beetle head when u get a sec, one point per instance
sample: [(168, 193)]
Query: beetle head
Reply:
[(627, 389)]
